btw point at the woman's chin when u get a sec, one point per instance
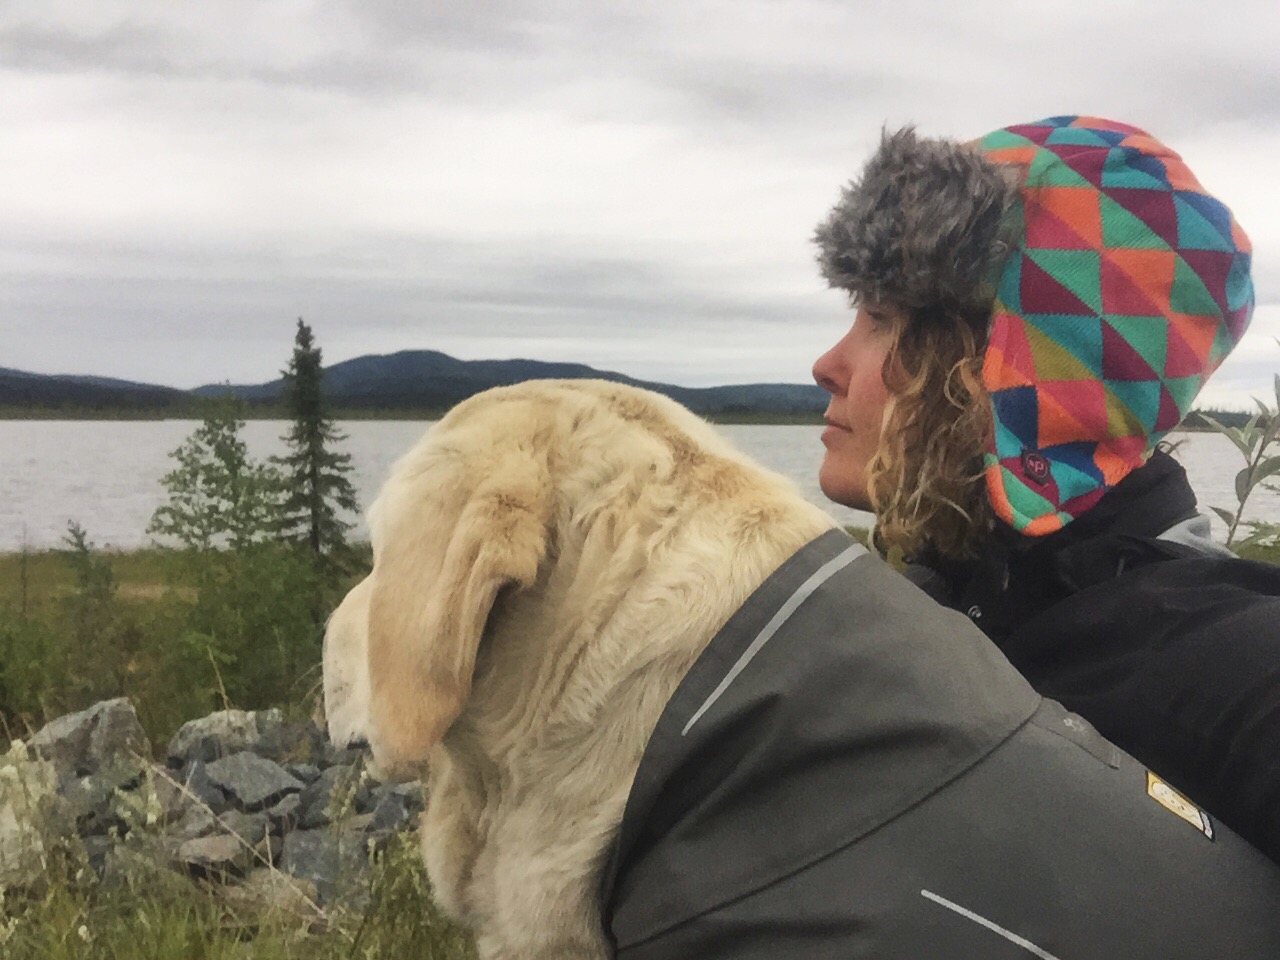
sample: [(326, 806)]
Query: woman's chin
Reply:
[(837, 486)]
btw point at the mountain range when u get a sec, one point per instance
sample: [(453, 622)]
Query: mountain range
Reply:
[(410, 380)]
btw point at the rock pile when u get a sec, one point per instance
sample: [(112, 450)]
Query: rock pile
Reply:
[(240, 797)]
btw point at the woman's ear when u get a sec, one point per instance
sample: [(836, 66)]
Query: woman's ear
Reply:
[(450, 541)]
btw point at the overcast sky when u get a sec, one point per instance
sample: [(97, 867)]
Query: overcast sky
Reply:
[(630, 185)]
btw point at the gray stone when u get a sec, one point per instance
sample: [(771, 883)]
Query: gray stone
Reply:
[(284, 815), (198, 821), (337, 788), (170, 799), (251, 781), (335, 756), (252, 828), (221, 734), (308, 773), (393, 809), (195, 778), (336, 862), (215, 857), (105, 740), (302, 743), (91, 804)]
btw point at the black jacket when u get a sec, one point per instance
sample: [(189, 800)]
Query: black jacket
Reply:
[(850, 770), (1172, 652)]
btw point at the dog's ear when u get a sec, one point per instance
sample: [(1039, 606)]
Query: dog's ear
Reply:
[(450, 541)]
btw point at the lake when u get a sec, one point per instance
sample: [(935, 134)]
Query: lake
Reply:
[(106, 474)]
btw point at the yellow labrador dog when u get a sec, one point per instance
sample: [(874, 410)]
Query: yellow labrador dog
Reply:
[(666, 711), (549, 561)]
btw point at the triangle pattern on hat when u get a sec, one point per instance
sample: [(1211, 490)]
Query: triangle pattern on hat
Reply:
[(1121, 228), (1151, 271), (1141, 398), (1184, 390), (1197, 331), (1041, 293), (999, 139), (1239, 283), (1153, 207), (1213, 267), (1078, 136), (1122, 421), (1078, 455), (1120, 173), (1046, 229), (1075, 271), (1080, 336), (1181, 360), (1027, 505), (1035, 132), (1197, 233), (1070, 481), (1121, 296), (1189, 294), (1169, 415), (1212, 210), (1048, 170), (1120, 361), (1059, 423), (1087, 163), (1008, 355), (1017, 409), (1148, 336), (1053, 361), (1084, 401)]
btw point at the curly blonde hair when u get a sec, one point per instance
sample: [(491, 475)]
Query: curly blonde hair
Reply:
[(925, 479)]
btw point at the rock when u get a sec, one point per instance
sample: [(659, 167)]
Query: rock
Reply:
[(393, 809), (28, 795), (335, 862), (220, 735), (195, 778), (251, 781), (308, 773), (284, 815), (198, 821), (337, 788), (105, 740), (301, 743), (252, 828), (215, 857), (171, 801), (91, 803), (335, 756)]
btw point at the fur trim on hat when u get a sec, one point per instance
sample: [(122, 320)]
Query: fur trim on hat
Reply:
[(921, 228)]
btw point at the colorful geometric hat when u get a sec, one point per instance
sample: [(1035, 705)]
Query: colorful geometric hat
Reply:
[(1127, 286)]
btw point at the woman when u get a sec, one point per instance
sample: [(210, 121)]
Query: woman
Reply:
[(1035, 311)]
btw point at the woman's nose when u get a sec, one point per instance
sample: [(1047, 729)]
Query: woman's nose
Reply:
[(827, 372)]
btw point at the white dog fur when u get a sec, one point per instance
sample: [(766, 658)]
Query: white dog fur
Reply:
[(549, 561)]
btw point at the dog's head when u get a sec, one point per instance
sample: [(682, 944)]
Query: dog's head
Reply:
[(463, 516)]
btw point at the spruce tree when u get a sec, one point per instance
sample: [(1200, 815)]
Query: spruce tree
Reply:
[(316, 483)]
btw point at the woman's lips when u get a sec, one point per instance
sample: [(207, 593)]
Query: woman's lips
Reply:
[(833, 430)]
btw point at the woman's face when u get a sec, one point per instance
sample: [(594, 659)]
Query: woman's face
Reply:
[(851, 372)]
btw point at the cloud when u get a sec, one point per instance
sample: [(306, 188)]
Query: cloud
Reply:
[(632, 187)]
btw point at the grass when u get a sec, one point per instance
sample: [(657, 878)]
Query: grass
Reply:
[(148, 913)]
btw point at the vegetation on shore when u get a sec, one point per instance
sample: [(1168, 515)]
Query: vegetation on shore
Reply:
[(230, 614)]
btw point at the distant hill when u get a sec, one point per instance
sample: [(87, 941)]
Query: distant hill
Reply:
[(410, 380), (22, 390), (429, 380)]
